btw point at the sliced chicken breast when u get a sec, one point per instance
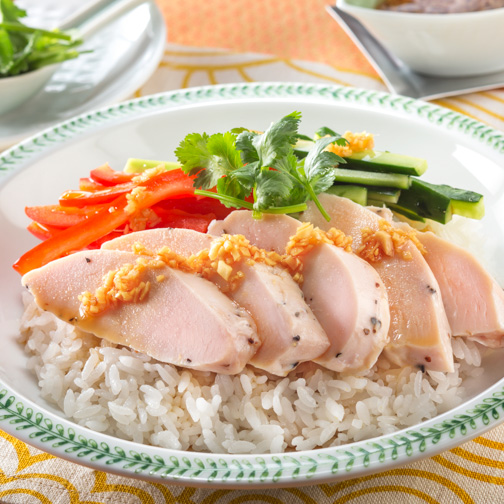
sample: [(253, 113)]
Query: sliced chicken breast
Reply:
[(350, 301), (473, 300), (346, 295), (182, 241), (289, 332), (271, 232), (419, 329), (184, 319)]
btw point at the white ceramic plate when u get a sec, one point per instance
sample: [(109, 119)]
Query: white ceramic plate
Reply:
[(459, 149), (125, 55)]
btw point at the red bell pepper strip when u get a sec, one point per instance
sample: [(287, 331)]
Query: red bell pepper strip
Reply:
[(180, 219), (86, 184), (81, 199), (98, 243), (41, 232), (60, 217), (165, 185), (193, 205), (106, 176)]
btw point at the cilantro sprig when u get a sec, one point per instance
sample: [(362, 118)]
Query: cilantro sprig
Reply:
[(260, 171), (23, 48)]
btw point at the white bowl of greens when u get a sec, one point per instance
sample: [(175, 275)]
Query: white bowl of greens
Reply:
[(29, 56)]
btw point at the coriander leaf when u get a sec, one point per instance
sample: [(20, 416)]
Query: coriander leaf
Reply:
[(276, 142), (192, 152), (325, 131), (299, 136), (246, 176), (238, 130), (322, 172), (223, 146), (237, 183), (319, 165), (289, 167), (272, 189), (245, 144), (208, 157), (229, 186)]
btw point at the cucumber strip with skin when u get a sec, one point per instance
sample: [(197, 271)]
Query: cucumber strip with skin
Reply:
[(358, 194), (463, 202), (397, 208), (426, 202), (134, 165), (386, 162), (385, 194), (439, 202), (372, 179)]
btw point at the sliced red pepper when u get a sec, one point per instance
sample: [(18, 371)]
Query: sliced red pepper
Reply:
[(200, 206), (106, 176), (98, 243), (165, 185), (42, 232), (86, 184), (60, 217), (81, 199), (174, 218)]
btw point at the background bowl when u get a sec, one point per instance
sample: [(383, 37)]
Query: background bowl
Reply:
[(17, 89), (448, 45)]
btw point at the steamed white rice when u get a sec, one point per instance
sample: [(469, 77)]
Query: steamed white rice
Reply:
[(118, 391)]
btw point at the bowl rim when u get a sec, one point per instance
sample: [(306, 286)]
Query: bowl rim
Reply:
[(344, 5)]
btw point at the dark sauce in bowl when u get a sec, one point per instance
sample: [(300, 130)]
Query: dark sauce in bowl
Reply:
[(440, 6)]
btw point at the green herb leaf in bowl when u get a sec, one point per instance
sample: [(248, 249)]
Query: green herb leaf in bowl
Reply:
[(24, 48)]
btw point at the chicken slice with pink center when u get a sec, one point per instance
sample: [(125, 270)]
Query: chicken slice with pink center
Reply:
[(183, 319), (420, 334), (473, 300), (288, 329), (346, 295)]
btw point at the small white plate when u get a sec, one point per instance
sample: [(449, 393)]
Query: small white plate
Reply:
[(125, 55), (460, 151)]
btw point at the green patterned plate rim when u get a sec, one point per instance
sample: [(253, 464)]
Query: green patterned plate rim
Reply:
[(35, 425)]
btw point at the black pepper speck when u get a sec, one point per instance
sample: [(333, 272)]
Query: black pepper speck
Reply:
[(375, 322)]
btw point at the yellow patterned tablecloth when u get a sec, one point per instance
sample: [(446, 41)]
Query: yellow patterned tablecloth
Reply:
[(269, 41)]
